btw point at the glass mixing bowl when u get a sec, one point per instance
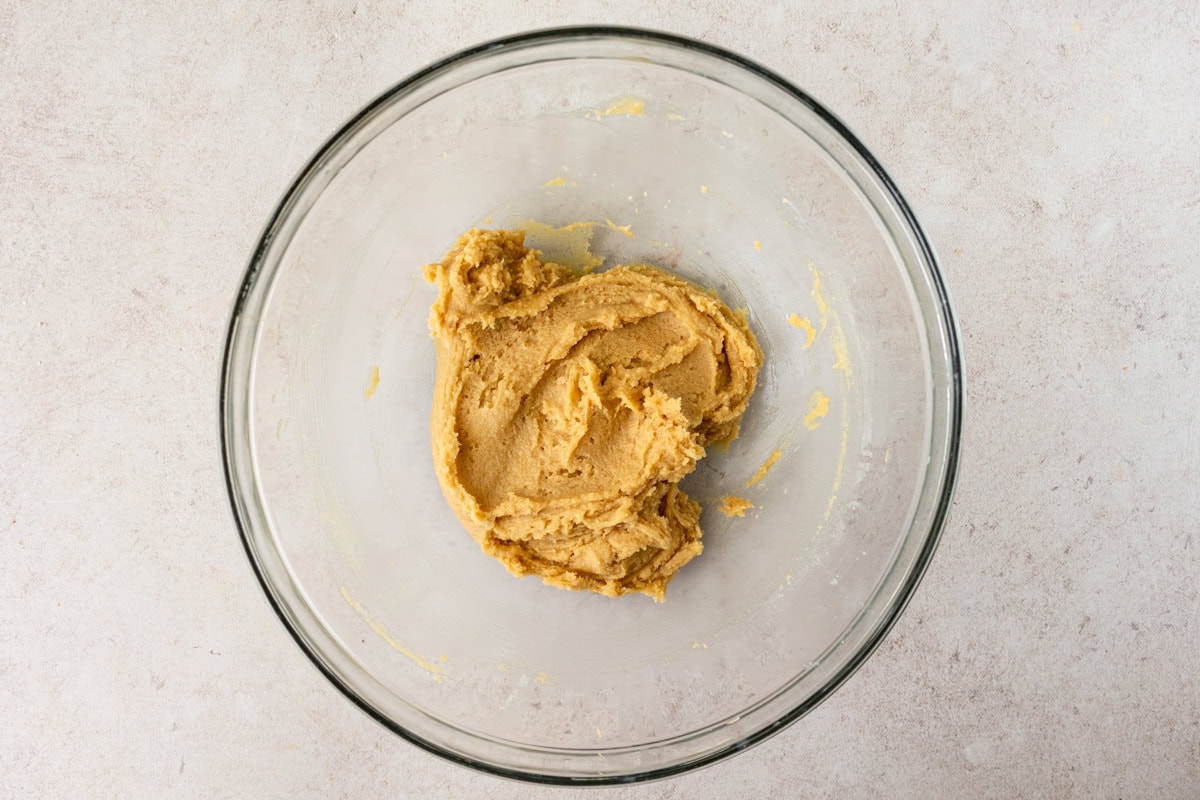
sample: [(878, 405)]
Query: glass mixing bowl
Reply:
[(684, 156)]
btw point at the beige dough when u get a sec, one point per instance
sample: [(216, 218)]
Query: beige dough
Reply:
[(568, 407), (734, 506)]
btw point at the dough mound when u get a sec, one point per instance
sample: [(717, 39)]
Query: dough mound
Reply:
[(568, 407)]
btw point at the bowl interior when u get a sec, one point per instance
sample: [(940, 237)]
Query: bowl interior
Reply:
[(680, 159)]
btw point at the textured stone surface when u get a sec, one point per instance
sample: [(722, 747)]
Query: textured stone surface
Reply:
[(1052, 649)]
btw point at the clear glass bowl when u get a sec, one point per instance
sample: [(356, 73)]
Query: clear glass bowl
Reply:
[(723, 172)]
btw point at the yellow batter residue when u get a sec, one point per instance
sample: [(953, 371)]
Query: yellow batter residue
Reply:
[(818, 407), (841, 463), (757, 244), (800, 323), (841, 363), (555, 183), (626, 106), (734, 506), (569, 245), (568, 407), (626, 230), (372, 382), (382, 631), (836, 336), (764, 469), (841, 359), (818, 297)]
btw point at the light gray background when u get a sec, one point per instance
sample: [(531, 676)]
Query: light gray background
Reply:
[(1052, 156)]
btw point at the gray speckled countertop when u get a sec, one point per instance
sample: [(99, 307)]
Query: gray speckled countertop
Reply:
[(1052, 156)]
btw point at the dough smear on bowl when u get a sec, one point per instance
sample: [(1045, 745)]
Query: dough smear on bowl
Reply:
[(568, 407)]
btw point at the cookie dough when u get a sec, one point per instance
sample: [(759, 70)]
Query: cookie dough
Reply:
[(734, 506), (567, 408)]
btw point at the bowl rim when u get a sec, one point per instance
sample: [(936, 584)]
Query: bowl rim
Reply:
[(944, 309)]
